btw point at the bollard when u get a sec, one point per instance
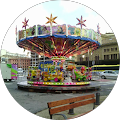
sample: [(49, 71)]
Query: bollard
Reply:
[(97, 99), (71, 111)]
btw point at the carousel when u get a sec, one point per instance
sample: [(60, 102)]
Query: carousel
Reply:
[(59, 43)]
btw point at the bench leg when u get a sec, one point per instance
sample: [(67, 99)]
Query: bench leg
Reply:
[(93, 105), (71, 111), (50, 116)]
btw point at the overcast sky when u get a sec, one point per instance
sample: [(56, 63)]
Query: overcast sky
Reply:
[(66, 12)]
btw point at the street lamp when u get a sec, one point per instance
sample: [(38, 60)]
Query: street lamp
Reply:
[(83, 56), (39, 56)]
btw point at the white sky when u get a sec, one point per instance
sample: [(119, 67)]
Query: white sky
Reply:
[(67, 13)]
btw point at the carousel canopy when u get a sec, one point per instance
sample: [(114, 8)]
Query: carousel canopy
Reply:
[(66, 40)]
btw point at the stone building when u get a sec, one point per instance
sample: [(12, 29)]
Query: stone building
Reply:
[(107, 53)]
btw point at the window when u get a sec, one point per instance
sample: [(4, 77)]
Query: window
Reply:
[(115, 49), (86, 58), (106, 57), (104, 50), (111, 72), (112, 49), (114, 56), (107, 50), (106, 72), (96, 57), (81, 59)]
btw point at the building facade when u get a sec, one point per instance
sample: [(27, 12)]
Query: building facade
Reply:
[(34, 59), (22, 61), (107, 53)]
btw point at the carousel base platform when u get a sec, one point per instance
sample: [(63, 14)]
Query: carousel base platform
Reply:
[(57, 88)]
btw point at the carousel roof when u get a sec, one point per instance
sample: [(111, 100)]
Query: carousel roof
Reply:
[(65, 40)]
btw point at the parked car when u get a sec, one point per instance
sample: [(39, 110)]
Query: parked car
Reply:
[(20, 71), (108, 74), (117, 71)]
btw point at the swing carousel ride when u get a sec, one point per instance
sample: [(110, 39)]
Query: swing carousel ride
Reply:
[(58, 43)]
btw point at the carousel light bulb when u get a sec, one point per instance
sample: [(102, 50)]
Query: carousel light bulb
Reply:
[(83, 56), (70, 57)]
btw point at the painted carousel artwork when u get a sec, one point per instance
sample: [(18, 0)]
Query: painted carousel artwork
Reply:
[(58, 43)]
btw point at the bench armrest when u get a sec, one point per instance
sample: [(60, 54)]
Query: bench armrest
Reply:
[(62, 115)]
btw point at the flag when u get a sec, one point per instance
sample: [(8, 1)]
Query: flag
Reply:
[(98, 29), (16, 30)]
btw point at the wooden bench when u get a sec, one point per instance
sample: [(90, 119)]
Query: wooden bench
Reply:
[(69, 104)]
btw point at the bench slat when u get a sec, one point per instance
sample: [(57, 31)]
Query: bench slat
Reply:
[(70, 100), (70, 106)]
